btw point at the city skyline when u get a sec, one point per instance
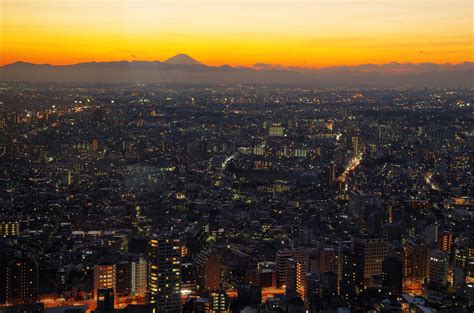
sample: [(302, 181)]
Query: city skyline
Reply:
[(236, 156)]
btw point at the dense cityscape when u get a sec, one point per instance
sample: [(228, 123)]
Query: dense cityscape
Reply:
[(235, 198)]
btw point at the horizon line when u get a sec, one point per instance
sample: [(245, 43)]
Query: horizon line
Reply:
[(254, 66)]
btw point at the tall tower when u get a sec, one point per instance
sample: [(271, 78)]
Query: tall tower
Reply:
[(138, 272), (164, 274), (437, 276), (414, 262), (438, 268), (296, 273)]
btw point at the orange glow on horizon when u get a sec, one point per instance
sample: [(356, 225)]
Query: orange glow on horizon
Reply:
[(297, 33)]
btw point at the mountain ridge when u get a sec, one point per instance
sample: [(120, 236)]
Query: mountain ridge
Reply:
[(182, 59), (182, 68)]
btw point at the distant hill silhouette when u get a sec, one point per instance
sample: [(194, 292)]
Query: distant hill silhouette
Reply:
[(182, 59), (184, 69)]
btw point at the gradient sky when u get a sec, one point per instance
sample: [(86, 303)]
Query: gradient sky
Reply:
[(308, 33)]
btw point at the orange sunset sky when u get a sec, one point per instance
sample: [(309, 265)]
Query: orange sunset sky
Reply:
[(307, 33)]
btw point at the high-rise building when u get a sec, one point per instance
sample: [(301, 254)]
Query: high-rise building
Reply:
[(312, 290), (431, 233), (123, 278), (328, 261), (296, 274), (371, 251), (208, 265), (352, 274), (281, 263), (104, 277), (437, 276), (414, 261), (188, 281), (281, 259), (265, 274), (445, 241), (138, 273), (164, 274), (131, 275), (356, 144), (25, 280), (459, 274), (392, 274), (290, 283), (19, 280), (438, 268)]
